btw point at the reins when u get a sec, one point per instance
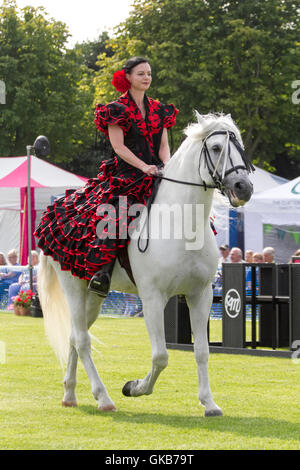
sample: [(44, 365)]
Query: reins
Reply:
[(203, 185)]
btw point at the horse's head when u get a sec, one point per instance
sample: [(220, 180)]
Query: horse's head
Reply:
[(222, 161)]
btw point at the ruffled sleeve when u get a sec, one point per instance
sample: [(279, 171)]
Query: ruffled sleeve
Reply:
[(169, 115), (110, 114)]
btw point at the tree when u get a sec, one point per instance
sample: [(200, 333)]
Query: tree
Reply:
[(90, 50), (220, 55), (47, 90)]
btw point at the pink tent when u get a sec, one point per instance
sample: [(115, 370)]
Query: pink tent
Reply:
[(47, 182)]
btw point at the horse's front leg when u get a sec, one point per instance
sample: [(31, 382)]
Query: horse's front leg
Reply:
[(199, 307), (153, 309)]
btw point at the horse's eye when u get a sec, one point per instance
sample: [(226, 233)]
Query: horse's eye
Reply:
[(216, 148)]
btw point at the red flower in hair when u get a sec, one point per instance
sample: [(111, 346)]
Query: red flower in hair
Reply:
[(120, 81)]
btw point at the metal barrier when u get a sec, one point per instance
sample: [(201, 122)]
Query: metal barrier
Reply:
[(275, 308)]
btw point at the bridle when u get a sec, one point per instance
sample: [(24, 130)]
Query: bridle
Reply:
[(218, 175)]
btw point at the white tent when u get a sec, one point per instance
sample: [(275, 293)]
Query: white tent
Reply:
[(262, 180), (47, 182), (272, 218)]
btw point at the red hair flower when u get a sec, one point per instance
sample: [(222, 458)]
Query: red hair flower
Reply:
[(120, 81)]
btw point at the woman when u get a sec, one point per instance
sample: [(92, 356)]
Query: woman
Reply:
[(137, 129), (3, 261), (8, 276), (258, 258), (24, 280), (297, 254)]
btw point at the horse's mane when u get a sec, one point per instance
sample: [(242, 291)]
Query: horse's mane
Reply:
[(209, 123)]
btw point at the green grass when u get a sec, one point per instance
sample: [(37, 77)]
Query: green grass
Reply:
[(259, 396)]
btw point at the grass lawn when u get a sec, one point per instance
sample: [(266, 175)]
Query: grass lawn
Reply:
[(259, 396)]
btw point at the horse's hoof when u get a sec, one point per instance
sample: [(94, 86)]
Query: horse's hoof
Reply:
[(107, 408), (212, 413), (127, 388), (69, 403)]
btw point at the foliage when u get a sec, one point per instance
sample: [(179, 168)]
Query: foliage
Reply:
[(213, 55), (90, 50), (219, 55), (47, 88)]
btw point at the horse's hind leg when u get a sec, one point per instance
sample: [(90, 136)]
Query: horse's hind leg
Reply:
[(153, 309), (92, 306), (199, 306), (69, 398), (79, 303)]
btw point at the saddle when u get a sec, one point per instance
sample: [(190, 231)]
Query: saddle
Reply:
[(123, 252), (125, 263)]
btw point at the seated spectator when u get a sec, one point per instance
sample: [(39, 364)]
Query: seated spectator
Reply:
[(224, 250), (3, 261), (217, 282), (268, 253), (3, 286), (10, 276), (249, 256), (130, 304), (236, 255), (297, 253), (258, 258), (24, 279)]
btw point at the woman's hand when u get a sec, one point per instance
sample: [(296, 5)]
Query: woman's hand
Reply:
[(116, 137), (149, 169)]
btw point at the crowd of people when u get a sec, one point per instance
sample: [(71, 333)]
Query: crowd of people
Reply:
[(13, 280), (14, 277), (235, 255)]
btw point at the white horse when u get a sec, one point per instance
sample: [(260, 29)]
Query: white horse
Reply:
[(210, 157)]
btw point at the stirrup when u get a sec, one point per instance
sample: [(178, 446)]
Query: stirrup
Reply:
[(100, 284)]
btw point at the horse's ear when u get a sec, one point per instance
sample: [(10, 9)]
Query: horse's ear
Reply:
[(199, 117), (228, 116)]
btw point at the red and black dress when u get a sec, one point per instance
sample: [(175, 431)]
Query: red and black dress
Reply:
[(67, 230)]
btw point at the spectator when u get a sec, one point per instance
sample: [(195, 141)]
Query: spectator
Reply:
[(24, 279), (10, 275), (3, 261), (258, 258), (297, 253), (224, 250), (249, 256), (236, 255), (268, 253)]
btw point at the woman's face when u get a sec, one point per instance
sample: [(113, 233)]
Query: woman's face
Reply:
[(12, 259), (140, 77)]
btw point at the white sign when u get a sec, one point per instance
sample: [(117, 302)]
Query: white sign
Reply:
[(232, 303)]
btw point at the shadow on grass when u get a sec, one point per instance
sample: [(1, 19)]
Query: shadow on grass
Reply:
[(246, 426)]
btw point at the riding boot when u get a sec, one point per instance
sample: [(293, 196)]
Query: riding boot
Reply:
[(100, 282)]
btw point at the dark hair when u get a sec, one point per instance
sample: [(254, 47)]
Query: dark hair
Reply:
[(133, 62)]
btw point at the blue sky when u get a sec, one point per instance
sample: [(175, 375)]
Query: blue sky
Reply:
[(85, 19)]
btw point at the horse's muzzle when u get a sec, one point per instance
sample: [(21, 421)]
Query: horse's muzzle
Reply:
[(238, 189)]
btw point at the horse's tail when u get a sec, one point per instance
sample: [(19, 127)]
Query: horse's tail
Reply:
[(55, 309)]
